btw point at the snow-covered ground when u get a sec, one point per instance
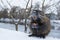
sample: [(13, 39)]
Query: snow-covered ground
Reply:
[(56, 24), (6, 34), (53, 33), (11, 26)]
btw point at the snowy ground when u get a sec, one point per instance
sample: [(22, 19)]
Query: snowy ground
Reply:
[(6, 34), (11, 26), (4, 26)]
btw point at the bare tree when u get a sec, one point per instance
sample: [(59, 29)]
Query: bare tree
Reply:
[(44, 7), (25, 15), (11, 14), (16, 24)]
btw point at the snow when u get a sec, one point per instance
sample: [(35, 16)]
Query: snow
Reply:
[(55, 23), (11, 26), (23, 21), (6, 19), (6, 34)]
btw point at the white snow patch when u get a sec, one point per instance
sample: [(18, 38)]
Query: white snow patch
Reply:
[(6, 34)]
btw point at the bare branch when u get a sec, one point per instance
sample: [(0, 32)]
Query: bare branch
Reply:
[(31, 6), (8, 3), (54, 4), (1, 6), (3, 3), (43, 7)]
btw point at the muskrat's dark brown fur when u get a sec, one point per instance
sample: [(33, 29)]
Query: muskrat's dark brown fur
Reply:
[(44, 27)]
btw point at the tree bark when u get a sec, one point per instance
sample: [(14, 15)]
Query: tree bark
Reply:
[(16, 27), (25, 16)]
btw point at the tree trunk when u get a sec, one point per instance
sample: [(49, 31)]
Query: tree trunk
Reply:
[(25, 16), (16, 27)]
